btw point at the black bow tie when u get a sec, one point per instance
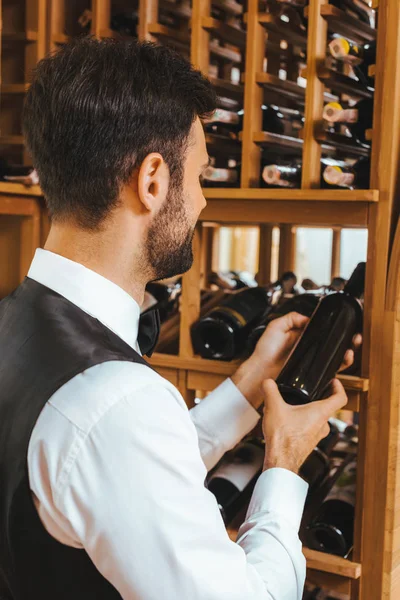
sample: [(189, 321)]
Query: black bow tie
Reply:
[(149, 330)]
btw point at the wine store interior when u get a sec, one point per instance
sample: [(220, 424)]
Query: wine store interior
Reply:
[(302, 199)]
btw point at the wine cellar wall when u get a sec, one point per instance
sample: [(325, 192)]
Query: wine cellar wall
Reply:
[(307, 133)]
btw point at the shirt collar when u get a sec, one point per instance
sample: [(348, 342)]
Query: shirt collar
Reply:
[(93, 293)]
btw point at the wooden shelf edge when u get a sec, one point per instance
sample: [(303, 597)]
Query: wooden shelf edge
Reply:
[(298, 195), (319, 561), (19, 190), (18, 207), (14, 88), (347, 25)]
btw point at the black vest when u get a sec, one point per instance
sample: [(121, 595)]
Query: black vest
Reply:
[(45, 340)]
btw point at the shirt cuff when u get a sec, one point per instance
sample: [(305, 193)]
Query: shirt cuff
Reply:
[(280, 492), (227, 413)]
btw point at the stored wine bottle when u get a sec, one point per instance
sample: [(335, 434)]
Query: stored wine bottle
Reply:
[(320, 350), (327, 444), (167, 297), (217, 177), (17, 173), (356, 176), (358, 118), (224, 122), (305, 304), (332, 529), (315, 468), (221, 334), (360, 57), (288, 176), (233, 480)]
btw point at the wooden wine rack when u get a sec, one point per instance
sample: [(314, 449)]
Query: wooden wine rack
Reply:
[(32, 27)]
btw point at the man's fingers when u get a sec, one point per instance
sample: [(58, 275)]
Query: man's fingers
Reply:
[(357, 341), (292, 320), (347, 360), (336, 401)]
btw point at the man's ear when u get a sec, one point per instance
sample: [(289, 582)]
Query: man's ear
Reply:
[(153, 181)]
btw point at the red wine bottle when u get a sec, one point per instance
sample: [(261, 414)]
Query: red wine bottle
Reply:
[(224, 122), (332, 530), (233, 481), (320, 350), (358, 118), (218, 177), (360, 57), (356, 176), (288, 176), (221, 334), (315, 469)]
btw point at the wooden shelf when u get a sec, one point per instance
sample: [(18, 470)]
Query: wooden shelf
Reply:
[(225, 32), (288, 89), (342, 143), (291, 195), (62, 38), (19, 190), (223, 87), (14, 88), (341, 83), (285, 30), (24, 37), (203, 374), (372, 71), (226, 54), (17, 206), (167, 33), (369, 134), (282, 142), (11, 140), (344, 24)]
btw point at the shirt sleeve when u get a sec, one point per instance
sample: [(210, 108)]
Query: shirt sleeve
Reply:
[(135, 499), (222, 419)]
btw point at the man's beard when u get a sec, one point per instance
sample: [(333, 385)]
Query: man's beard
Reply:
[(170, 237)]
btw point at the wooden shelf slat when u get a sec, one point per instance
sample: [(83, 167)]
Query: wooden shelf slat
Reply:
[(25, 37), (14, 88), (288, 89), (229, 6), (344, 24), (19, 190), (342, 143), (372, 71), (275, 140), (209, 373), (168, 33), (291, 195), (285, 30), (341, 83), (226, 54), (182, 10), (17, 206), (11, 140), (61, 38), (225, 32)]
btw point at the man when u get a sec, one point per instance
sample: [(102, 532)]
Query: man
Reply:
[(102, 466)]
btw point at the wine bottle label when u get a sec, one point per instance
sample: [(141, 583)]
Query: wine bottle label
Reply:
[(248, 460), (223, 116), (226, 175), (345, 487), (342, 49), (334, 175)]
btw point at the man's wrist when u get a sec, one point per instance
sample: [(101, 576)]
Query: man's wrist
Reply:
[(248, 379)]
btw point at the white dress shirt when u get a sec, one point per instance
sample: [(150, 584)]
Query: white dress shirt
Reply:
[(117, 465)]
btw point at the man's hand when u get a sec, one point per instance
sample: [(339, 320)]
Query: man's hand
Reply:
[(272, 352), (292, 432)]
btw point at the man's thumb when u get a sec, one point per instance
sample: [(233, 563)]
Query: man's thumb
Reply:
[(271, 393)]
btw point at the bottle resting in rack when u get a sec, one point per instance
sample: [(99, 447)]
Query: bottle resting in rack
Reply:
[(360, 57), (232, 482), (332, 528), (320, 350), (221, 177), (357, 118), (355, 176), (221, 334)]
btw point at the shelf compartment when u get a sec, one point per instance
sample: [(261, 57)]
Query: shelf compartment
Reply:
[(344, 24), (285, 30), (225, 32), (341, 143), (341, 83), (276, 140), (24, 37), (182, 11), (226, 88), (207, 374), (14, 88), (226, 54), (288, 89), (221, 145)]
